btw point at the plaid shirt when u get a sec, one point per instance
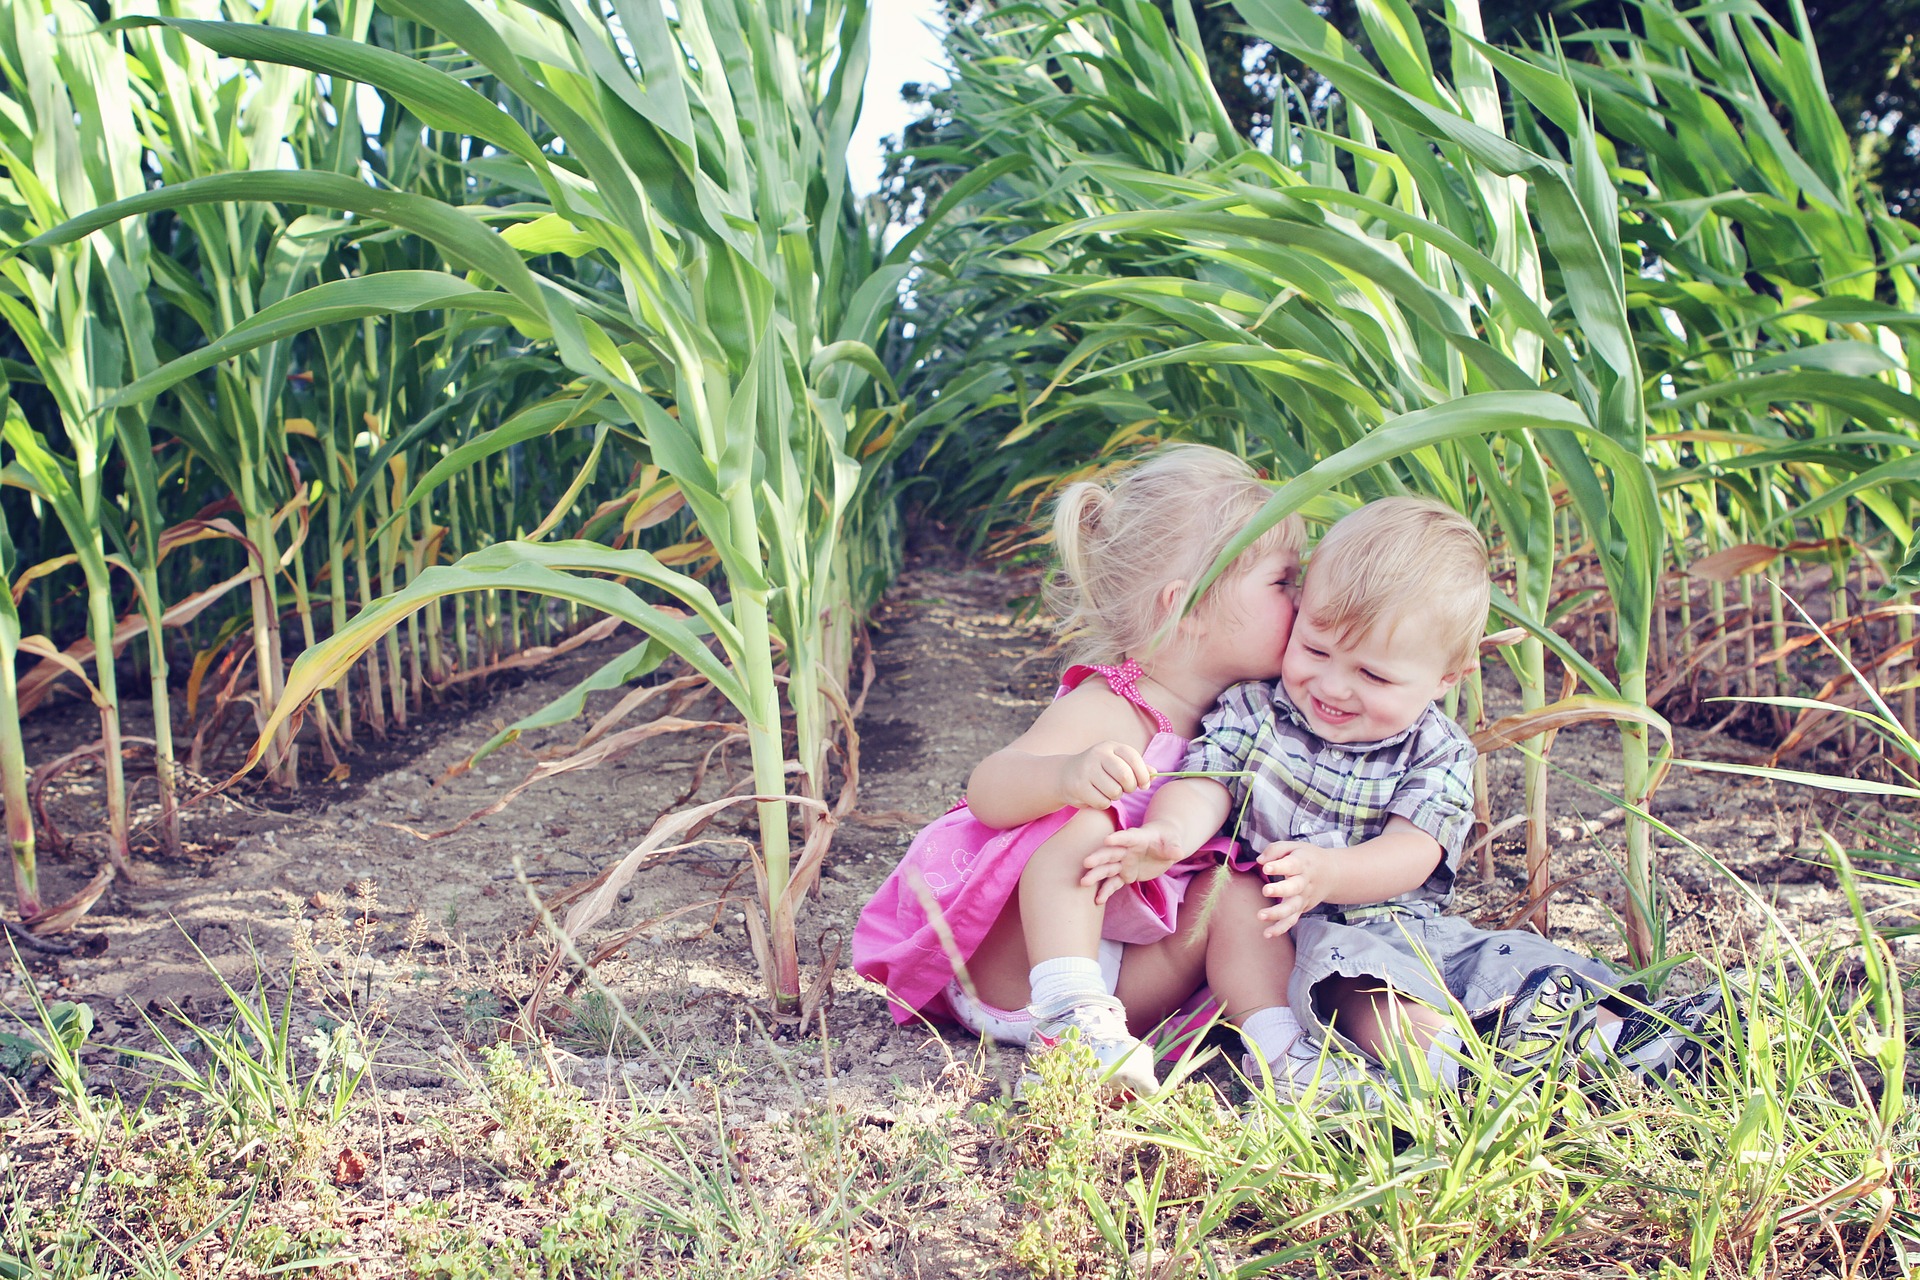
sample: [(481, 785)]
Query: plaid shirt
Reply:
[(1336, 794)]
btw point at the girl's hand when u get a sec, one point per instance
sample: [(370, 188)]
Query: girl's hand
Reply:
[(1105, 771), (1130, 854), (1296, 880)]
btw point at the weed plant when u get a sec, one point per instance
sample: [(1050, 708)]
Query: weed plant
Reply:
[(1058, 1152), (598, 1026), (1793, 1156), (541, 1125), (269, 1096), (53, 1041)]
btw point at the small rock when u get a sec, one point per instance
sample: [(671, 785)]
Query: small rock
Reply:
[(883, 1059), (439, 1185), (622, 1159)]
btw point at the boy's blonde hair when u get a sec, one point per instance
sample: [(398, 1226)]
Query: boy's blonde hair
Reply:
[(1399, 560), (1121, 542)]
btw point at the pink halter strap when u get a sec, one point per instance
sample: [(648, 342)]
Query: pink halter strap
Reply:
[(1124, 680)]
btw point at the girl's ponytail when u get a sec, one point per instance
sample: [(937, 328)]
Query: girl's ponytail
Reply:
[(1077, 517)]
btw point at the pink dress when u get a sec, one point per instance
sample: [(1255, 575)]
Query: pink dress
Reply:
[(960, 872)]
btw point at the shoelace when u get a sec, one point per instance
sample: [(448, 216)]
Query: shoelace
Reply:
[(1104, 1022)]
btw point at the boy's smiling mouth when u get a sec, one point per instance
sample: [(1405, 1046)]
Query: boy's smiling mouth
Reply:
[(1332, 715)]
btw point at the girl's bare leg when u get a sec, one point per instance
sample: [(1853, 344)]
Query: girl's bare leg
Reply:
[(1157, 976), (1051, 916)]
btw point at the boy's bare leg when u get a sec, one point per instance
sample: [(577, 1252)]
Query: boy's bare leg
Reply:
[(1381, 1022), (1218, 941), (1384, 1024), (1052, 915), (1247, 972)]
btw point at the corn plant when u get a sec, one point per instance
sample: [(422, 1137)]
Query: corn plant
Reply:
[(79, 308), (708, 181), (1291, 312), (1789, 391)]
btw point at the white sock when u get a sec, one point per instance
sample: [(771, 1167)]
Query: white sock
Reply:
[(1441, 1059), (1061, 983), (1270, 1032)]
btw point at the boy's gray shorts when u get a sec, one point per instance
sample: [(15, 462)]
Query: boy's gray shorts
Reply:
[(1425, 955)]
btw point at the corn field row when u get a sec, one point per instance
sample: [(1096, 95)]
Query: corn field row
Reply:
[(358, 352)]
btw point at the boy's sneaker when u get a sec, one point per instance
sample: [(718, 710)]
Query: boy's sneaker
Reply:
[(1675, 1035), (1554, 1011), (1100, 1023)]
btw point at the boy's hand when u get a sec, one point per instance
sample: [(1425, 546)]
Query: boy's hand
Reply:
[(1296, 880), (1105, 771), (1130, 854)]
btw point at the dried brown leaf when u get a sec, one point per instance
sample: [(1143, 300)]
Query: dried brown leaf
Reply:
[(1733, 562)]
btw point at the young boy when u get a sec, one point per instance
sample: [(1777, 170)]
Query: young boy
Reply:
[(1359, 799)]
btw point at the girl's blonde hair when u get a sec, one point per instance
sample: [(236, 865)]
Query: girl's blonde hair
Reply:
[(1397, 560), (1164, 520)]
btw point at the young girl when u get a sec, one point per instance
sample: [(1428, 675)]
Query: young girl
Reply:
[(991, 919)]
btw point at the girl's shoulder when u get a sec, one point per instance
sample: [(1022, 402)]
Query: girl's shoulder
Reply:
[(1081, 674), (1087, 687), (1087, 699)]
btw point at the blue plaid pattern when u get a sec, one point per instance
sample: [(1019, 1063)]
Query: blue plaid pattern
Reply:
[(1335, 794)]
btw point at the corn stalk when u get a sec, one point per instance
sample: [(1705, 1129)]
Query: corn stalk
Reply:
[(13, 752)]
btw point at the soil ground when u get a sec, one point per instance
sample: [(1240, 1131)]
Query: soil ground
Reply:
[(436, 940)]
